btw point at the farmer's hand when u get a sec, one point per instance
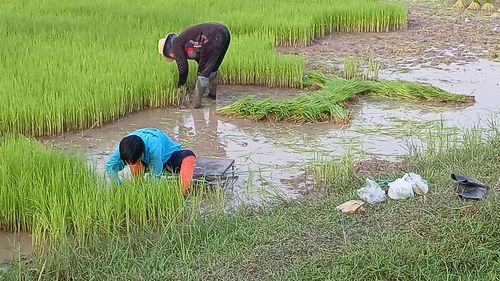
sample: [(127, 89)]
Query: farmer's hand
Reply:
[(181, 91)]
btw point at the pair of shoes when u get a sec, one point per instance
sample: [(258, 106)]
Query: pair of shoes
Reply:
[(470, 188)]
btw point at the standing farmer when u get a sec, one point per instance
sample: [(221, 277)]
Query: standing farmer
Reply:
[(151, 150), (205, 43)]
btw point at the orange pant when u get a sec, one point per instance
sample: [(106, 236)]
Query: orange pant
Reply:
[(185, 174)]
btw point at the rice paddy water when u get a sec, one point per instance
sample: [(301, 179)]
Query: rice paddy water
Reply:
[(271, 157)]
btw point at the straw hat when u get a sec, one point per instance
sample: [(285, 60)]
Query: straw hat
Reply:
[(161, 45)]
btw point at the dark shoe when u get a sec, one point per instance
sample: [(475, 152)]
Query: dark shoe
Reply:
[(470, 188)]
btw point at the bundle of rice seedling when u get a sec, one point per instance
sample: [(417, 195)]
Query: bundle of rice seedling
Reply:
[(325, 104), (330, 102), (488, 6), (460, 4), (475, 5), (411, 90)]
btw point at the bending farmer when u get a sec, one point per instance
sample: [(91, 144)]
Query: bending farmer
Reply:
[(151, 150), (205, 43)]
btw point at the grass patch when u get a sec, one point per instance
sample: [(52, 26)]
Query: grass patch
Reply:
[(331, 101)]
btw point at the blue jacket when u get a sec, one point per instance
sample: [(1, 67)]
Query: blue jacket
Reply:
[(158, 149)]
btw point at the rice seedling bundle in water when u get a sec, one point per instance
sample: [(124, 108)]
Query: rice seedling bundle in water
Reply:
[(329, 103), (73, 65), (488, 6), (474, 5), (460, 4)]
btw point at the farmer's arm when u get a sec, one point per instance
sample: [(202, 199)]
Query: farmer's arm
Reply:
[(113, 166), (182, 64)]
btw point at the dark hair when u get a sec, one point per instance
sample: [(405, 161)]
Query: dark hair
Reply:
[(131, 149), (169, 40)]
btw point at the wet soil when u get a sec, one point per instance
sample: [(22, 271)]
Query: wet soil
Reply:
[(436, 33), (12, 244)]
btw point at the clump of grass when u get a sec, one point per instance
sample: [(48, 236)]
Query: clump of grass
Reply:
[(331, 101), (323, 105), (372, 69), (459, 5), (474, 5), (354, 70), (488, 6), (351, 68)]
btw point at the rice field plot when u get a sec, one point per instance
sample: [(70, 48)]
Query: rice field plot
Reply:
[(73, 65)]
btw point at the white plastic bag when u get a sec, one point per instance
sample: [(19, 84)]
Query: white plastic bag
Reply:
[(400, 189), (418, 184), (371, 192)]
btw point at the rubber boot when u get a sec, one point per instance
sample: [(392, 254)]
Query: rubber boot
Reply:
[(199, 90), (212, 85)]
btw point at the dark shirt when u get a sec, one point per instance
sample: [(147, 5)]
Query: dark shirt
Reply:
[(198, 37)]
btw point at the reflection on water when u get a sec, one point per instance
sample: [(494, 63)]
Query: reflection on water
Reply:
[(268, 154)]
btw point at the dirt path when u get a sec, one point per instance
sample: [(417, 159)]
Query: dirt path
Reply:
[(436, 33)]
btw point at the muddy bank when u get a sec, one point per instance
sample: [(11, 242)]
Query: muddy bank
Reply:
[(436, 33)]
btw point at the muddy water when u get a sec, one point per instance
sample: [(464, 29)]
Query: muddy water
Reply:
[(12, 244), (267, 155)]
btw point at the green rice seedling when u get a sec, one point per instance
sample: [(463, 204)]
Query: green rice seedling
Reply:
[(333, 173), (372, 70), (351, 68), (331, 100), (410, 90), (315, 78), (488, 6), (460, 5), (61, 199), (474, 5)]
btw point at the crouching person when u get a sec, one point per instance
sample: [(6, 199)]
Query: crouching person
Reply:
[(151, 150)]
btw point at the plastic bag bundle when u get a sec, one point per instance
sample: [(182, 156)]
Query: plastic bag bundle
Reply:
[(371, 192), (400, 189), (418, 184)]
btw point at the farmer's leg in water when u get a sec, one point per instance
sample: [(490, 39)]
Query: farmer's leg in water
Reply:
[(212, 85), (182, 162)]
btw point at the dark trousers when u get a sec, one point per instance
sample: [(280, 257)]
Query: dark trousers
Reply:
[(173, 164), (211, 58)]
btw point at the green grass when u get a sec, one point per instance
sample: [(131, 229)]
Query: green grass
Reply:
[(435, 237), (73, 65), (330, 102)]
